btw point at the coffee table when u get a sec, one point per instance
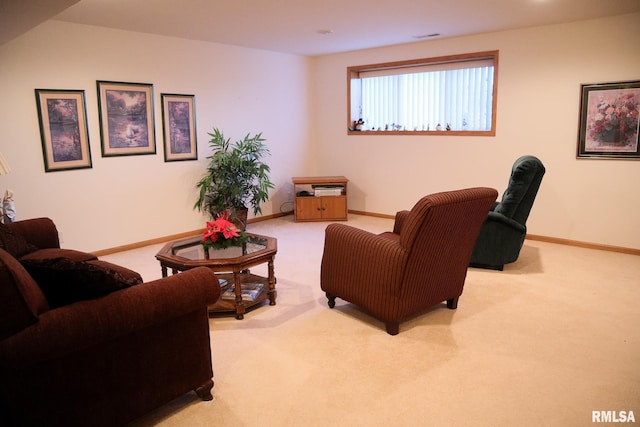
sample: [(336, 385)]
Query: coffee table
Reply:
[(232, 264)]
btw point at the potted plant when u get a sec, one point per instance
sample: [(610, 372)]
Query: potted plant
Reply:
[(236, 176)]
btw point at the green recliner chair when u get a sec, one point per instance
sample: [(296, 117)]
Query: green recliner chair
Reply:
[(503, 232)]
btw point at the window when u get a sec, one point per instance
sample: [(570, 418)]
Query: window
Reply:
[(445, 95)]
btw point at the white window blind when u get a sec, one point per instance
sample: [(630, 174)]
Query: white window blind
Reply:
[(453, 95)]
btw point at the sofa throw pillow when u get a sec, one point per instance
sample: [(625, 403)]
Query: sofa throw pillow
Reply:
[(65, 281), (14, 243), (21, 300), (47, 255)]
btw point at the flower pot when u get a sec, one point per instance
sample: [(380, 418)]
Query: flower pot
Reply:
[(218, 253), (239, 218)]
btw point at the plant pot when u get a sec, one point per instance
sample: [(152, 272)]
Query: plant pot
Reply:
[(239, 218), (219, 253)]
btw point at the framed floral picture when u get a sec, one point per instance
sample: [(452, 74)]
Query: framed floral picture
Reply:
[(126, 118), (63, 129), (609, 121), (179, 127)]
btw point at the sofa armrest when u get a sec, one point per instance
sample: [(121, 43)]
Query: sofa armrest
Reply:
[(399, 221), (354, 259), (503, 220), (40, 232), (84, 324)]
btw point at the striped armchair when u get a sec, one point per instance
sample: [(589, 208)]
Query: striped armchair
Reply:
[(395, 275)]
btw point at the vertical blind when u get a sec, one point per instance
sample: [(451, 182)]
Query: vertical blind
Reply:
[(459, 97)]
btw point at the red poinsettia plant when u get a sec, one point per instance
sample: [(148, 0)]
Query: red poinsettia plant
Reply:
[(222, 233)]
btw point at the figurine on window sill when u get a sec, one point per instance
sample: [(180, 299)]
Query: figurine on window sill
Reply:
[(358, 125)]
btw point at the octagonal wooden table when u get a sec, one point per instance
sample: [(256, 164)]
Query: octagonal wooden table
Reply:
[(231, 264)]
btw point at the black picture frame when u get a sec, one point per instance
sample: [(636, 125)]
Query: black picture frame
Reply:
[(62, 115), (609, 126), (126, 118), (179, 127)]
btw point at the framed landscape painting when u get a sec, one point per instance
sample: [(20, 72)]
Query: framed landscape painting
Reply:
[(609, 121), (179, 127), (63, 129), (126, 118)]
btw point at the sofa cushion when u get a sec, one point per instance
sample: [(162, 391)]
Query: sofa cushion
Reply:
[(65, 280), (48, 255), (13, 243), (21, 300)]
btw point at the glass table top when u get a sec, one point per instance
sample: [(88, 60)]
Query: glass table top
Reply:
[(192, 249)]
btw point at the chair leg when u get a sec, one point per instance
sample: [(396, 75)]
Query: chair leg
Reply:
[(392, 328), (332, 300), (204, 391), (452, 303)]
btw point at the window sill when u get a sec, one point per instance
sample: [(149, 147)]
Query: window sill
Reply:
[(423, 132)]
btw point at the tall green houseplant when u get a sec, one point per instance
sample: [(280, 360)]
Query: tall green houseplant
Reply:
[(236, 177)]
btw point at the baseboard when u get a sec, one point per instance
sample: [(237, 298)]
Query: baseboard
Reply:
[(377, 215), (548, 239), (567, 242), (165, 239), (588, 245), (268, 217)]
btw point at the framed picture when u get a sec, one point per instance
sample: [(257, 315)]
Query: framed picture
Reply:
[(63, 129), (609, 121), (126, 118), (179, 127)]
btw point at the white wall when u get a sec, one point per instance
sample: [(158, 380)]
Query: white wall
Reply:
[(540, 73), (300, 106), (124, 200)]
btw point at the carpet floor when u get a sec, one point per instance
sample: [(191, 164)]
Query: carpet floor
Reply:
[(545, 342)]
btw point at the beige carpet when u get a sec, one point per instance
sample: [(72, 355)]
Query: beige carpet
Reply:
[(547, 341)]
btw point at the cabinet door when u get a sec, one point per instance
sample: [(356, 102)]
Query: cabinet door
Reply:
[(334, 207), (308, 208)]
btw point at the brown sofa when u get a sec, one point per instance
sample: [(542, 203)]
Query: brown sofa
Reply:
[(395, 275), (110, 356)]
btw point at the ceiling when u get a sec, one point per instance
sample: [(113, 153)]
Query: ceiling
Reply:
[(305, 27), (19, 16)]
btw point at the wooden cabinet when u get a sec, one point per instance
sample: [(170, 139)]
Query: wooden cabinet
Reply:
[(320, 198)]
